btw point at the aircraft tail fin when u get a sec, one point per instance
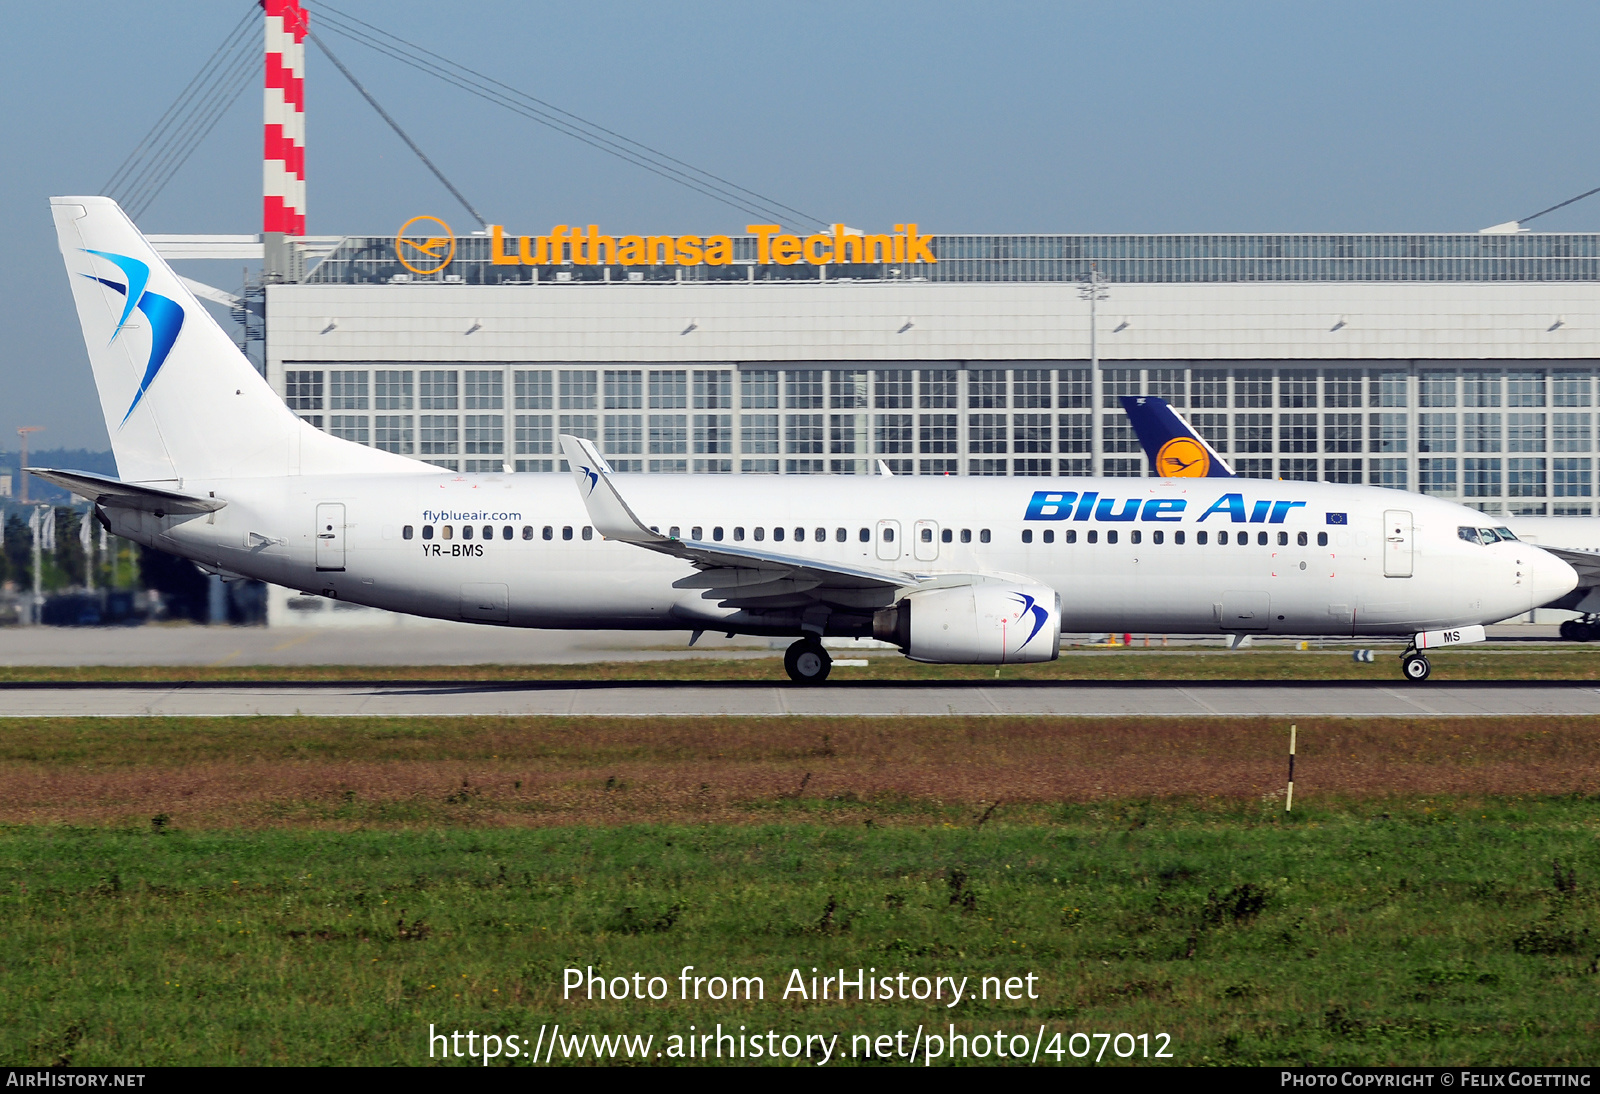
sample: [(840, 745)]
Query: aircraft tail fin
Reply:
[(1174, 449), (179, 399)]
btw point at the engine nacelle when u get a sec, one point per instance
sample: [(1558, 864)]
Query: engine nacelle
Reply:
[(989, 624)]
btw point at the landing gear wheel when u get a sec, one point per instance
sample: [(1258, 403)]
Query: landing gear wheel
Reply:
[(807, 662), (1415, 667), (1568, 629), (1582, 631)]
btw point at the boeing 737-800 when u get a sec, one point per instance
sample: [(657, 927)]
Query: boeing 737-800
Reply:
[(214, 467)]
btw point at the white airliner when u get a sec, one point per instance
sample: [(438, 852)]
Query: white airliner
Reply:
[(215, 468)]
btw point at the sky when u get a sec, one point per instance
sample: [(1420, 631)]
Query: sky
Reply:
[(999, 117)]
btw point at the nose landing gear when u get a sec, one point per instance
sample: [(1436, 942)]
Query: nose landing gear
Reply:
[(1414, 666), (807, 662)]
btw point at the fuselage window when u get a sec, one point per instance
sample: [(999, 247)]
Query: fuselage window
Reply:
[(1157, 537), (508, 532), (673, 532), (1178, 537), (488, 532), (716, 533), (1072, 535), (799, 535), (888, 535), (427, 531), (946, 536), (588, 532), (1049, 536), (1093, 536), (466, 531), (866, 535), (697, 532), (1283, 539), (1027, 535), (1111, 535), (1135, 536), (405, 533), (1200, 538), (1222, 539), (1261, 539), (983, 536), (927, 535), (527, 531), (761, 534), (1322, 539), (966, 535), (1244, 539), (821, 535), (445, 531), (777, 535), (549, 532), (738, 534), (566, 532), (840, 535)]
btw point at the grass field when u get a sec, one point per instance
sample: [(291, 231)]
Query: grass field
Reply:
[(1554, 663), (307, 891)]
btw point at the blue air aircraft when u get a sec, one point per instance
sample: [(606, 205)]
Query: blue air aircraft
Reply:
[(214, 467)]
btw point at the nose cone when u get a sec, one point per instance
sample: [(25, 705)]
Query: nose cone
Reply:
[(1546, 576)]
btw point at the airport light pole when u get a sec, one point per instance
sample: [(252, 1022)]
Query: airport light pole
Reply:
[(21, 473), (1093, 289)]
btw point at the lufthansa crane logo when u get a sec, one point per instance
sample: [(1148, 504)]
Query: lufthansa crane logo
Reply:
[(1182, 458), (424, 251)]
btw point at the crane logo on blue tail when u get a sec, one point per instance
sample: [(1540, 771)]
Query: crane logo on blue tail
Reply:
[(1030, 606), (164, 313)]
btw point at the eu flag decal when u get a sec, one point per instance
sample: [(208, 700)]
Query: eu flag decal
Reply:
[(1338, 518)]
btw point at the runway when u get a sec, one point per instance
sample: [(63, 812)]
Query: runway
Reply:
[(655, 700)]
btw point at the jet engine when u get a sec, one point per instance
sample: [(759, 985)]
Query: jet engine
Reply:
[(987, 624)]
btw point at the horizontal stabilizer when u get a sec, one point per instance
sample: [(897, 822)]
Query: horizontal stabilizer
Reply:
[(1174, 449), (126, 495)]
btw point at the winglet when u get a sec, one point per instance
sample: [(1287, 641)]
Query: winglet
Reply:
[(610, 514), (1174, 449)]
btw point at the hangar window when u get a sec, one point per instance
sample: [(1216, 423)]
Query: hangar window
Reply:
[(1027, 535), (588, 532), (527, 531), (1093, 536), (566, 532), (1049, 535), (1200, 538), (983, 536), (302, 390), (1072, 535), (549, 532), (1322, 539), (405, 533)]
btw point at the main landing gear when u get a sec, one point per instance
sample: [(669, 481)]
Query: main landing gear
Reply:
[(1414, 666), (1585, 629), (807, 662)]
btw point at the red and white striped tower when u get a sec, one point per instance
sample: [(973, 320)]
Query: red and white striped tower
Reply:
[(284, 167)]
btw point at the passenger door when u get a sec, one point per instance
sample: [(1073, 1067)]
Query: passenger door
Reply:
[(925, 540), (888, 540), (330, 536), (1396, 543)]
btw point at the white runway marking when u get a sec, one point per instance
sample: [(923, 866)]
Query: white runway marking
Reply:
[(852, 701)]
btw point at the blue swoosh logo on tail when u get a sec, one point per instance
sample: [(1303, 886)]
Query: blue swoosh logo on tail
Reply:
[(164, 313), (594, 477)]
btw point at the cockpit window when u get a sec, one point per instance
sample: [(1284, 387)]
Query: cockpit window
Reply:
[(1471, 534), (1505, 534)]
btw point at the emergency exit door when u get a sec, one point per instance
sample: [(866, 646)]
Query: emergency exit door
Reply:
[(1397, 543), (330, 536)]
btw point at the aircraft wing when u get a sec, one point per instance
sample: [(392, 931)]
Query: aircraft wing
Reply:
[(736, 575), (1587, 563), (115, 494)]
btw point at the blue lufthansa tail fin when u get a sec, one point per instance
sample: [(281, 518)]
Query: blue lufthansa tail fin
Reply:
[(1175, 450)]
